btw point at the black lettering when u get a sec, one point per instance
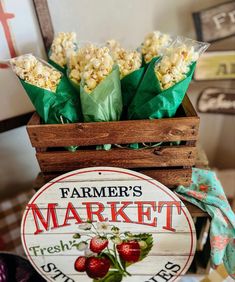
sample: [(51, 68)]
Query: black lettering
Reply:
[(50, 267), (174, 267), (75, 193), (163, 274), (123, 190), (112, 191), (64, 192), (69, 279), (137, 191), (86, 192), (98, 193), (57, 275), (152, 279)]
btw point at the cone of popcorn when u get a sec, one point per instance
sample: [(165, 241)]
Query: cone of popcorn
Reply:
[(53, 97), (166, 80), (154, 44), (63, 44), (76, 62), (100, 88), (131, 72)]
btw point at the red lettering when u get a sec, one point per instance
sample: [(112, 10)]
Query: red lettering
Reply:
[(147, 213), (120, 212), (71, 208), (169, 208), (91, 212), (37, 215)]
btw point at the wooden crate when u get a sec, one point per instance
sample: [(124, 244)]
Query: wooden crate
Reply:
[(169, 164)]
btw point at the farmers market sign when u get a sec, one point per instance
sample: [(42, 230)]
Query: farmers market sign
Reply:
[(108, 224)]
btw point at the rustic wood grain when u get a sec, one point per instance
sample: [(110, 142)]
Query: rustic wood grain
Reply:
[(118, 132), (171, 178), (188, 108), (154, 157), (176, 162), (45, 23), (34, 120)]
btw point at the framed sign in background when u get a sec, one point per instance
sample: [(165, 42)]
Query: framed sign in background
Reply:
[(108, 223), (19, 34), (217, 65), (217, 100), (215, 23)]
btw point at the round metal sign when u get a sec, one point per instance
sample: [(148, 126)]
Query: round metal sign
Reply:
[(108, 224)]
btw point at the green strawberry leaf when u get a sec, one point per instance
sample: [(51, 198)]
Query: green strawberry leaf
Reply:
[(148, 239), (111, 276)]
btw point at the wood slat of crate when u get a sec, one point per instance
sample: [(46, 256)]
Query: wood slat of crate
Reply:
[(170, 178), (117, 132), (160, 157), (169, 164)]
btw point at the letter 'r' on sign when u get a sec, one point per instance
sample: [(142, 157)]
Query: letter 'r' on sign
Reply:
[(105, 217), (215, 23)]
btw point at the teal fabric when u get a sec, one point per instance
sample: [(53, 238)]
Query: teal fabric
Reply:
[(207, 193)]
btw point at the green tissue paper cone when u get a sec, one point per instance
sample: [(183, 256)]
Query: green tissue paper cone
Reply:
[(104, 103), (53, 108), (152, 102)]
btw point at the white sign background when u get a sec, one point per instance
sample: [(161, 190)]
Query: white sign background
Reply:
[(177, 247)]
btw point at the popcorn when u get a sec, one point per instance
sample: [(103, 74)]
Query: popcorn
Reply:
[(128, 61), (175, 64), (62, 45), (153, 44), (97, 68), (34, 72), (113, 45), (78, 60)]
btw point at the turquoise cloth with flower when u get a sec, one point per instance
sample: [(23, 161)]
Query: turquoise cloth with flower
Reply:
[(207, 193)]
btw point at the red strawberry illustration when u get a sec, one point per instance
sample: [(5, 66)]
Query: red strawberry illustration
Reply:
[(129, 251), (79, 264), (97, 267), (97, 244)]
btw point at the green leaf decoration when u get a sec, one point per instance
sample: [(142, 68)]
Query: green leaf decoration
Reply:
[(76, 236), (111, 276), (148, 239)]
